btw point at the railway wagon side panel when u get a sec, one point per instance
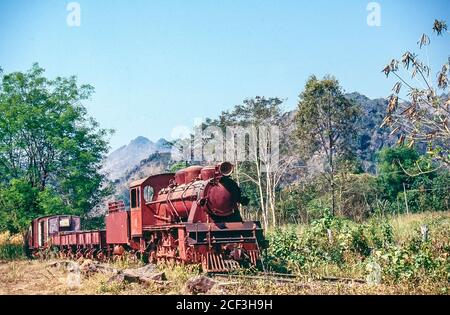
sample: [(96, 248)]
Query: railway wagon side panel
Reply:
[(117, 227), (93, 237), (82, 238), (73, 239), (56, 239)]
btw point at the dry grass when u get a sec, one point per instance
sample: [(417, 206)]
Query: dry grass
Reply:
[(23, 276), (406, 226), (35, 277)]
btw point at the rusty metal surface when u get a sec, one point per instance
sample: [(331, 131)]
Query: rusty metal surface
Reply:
[(191, 216), (115, 206), (117, 227)]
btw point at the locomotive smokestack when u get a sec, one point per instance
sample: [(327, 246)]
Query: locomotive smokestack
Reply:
[(225, 168)]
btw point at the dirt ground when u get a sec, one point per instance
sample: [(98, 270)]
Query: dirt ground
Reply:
[(39, 277)]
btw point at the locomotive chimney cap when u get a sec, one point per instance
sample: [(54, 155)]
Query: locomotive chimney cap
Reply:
[(225, 168)]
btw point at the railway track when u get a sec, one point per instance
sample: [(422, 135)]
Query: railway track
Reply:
[(282, 277)]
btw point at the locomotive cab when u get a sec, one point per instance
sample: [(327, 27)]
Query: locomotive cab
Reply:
[(142, 202)]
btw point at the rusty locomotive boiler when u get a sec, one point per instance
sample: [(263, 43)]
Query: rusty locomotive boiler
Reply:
[(190, 217)]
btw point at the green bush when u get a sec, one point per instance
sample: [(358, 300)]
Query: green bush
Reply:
[(284, 252), (299, 203), (402, 171), (11, 251), (351, 247), (11, 247)]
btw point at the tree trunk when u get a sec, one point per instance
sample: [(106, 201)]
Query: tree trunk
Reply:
[(261, 200), (333, 197), (261, 193), (331, 149)]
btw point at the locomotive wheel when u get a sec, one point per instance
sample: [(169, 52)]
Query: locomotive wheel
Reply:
[(54, 253), (90, 253), (42, 255), (78, 254), (101, 256)]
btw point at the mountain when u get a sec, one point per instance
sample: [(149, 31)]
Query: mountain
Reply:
[(127, 157), (142, 157), (156, 163), (371, 138)]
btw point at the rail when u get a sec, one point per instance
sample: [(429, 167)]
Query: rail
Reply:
[(282, 277)]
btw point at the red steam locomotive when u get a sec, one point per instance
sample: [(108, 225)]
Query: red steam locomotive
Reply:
[(189, 217)]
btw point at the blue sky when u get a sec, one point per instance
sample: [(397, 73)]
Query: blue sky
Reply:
[(156, 65)]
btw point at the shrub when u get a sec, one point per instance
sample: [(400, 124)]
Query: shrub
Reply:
[(284, 252), (356, 195), (11, 246), (338, 244)]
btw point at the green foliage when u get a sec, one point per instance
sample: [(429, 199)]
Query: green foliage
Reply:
[(439, 198), (178, 166), (379, 233), (391, 165), (50, 150), (314, 246), (293, 204), (356, 195), (349, 163), (318, 207), (250, 191), (93, 223), (11, 247), (9, 251), (284, 253), (333, 243), (49, 202), (411, 263), (404, 171), (18, 202), (326, 119), (327, 122)]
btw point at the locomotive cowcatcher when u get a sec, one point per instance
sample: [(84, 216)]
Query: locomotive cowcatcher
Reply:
[(190, 217)]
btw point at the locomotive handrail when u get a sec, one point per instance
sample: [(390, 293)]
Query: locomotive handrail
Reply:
[(171, 204), (183, 195), (114, 206)]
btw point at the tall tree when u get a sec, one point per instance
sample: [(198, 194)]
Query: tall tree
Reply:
[(326, 123), (50, 150), (259, 174), (421, 114)]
